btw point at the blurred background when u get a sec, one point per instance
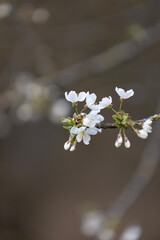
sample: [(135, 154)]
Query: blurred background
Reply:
[(97, 192)]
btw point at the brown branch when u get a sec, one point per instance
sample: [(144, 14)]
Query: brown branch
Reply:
[(112, 125)]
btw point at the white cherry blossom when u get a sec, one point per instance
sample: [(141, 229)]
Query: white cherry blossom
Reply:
[(72, 96), (106, 101), (142, 133), (92, 119), (76, 130), (83, 135), (90, 100), (124, 94), (147, 125)]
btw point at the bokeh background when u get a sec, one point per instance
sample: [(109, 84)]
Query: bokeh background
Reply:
[(97, 192)]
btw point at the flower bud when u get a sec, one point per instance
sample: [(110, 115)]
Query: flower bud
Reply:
[(117, 144), (73, 148), (67, 145), (127, 143), (119, 138), (65, 121)]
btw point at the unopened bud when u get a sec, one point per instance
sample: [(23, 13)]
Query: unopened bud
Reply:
[(67, 145), (65, 121), (127, 143), (73, 148), (119, 138), (156, 117), (117, 144)]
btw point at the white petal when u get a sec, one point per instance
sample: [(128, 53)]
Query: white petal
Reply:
[(98, 118), (81, 129), (142, 134), (99, 130), (92, 131), (120, 92), (93, 112), (81, 96), (74, 130), (95, 107), (148, 122), (91, 124), (86, 121), (90, 99), (71, 97), (147, 125), (79, 137), (129, 94), (106, 101), (86, 139)]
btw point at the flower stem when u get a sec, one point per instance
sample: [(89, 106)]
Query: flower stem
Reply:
[(115, 112), (120, 107), (76, 110)]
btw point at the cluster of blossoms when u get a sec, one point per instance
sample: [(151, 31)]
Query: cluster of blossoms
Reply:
[(83, 124)]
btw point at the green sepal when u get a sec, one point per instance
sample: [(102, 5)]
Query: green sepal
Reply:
[(156, 117), (68, 128)]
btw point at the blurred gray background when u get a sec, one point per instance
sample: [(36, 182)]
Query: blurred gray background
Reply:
[(81, 45)]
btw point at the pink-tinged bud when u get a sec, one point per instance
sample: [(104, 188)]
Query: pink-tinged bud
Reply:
[(117, 145), (67, 145), (142, 134), (73, 148), (119, 138), (127, 143)]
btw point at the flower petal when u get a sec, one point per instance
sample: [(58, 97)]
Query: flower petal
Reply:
[(129, 93), (120, 92), (98, 118), (86, 139), (74, 130), (81, 96), (90, 99), (79, 137), (81, 129), (106, 101), (92, 131), (71, 96)]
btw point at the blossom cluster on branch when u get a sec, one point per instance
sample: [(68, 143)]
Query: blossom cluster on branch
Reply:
[(84, 124)]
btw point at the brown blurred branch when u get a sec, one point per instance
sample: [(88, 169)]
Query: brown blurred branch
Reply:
[(143, 175), (108, 59)]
